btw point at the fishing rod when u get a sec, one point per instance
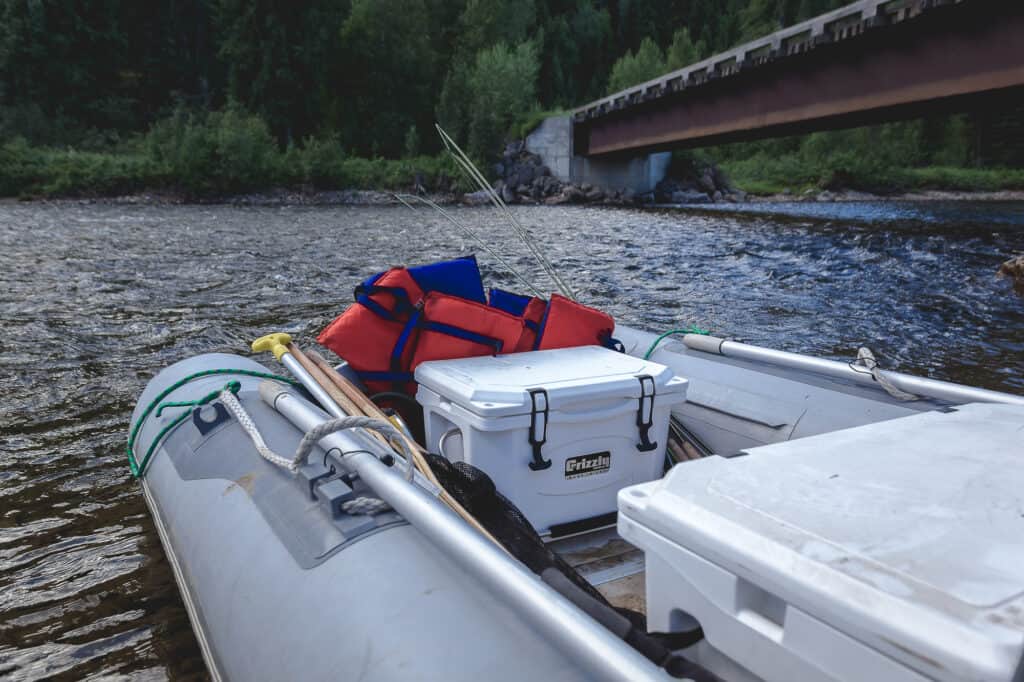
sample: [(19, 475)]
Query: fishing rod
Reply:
[(470, 169), (472, 235)]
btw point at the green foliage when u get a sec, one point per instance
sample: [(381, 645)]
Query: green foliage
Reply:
[(633, 68), (530, 120), (683, 51), (502, 88), (32, 171), (388, 74), (412, 142), (131, 95), (224, 151), (884, 158)]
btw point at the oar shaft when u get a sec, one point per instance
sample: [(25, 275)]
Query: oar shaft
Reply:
[(601, 653), (311, 384), (322, 379)]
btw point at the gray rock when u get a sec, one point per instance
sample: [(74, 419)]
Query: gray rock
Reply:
[(717, 196), (628, 196), (508, 195), (499, 170), (514, 148), (595, 194), (1014, 270), (706, 181), (479, 198), (689, 197)]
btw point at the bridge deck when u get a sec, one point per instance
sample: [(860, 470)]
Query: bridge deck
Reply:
[(869, 61)]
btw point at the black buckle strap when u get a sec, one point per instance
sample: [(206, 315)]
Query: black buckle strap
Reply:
[(644, 422), (538, 432)]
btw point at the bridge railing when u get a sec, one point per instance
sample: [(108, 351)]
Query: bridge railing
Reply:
[(846, 22)]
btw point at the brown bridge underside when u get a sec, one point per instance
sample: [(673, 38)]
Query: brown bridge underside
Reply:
[(964, 56)]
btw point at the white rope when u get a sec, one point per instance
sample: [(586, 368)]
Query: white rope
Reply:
[(866, 359), (362, 505), (249, 426), (384, 427)]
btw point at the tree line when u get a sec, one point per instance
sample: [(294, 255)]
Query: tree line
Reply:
[(363, 78), (375, 74)]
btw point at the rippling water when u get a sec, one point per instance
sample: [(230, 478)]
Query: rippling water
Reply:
[(95, 299)]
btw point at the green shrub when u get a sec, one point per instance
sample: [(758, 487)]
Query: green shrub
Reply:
[(502, 88), (219, 152)]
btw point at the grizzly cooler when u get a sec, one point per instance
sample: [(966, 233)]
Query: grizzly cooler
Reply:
[(558, 431)]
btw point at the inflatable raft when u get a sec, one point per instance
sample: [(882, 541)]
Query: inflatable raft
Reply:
[(820, 521)]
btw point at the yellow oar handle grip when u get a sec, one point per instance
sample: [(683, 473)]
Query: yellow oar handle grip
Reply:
[(275, 343)]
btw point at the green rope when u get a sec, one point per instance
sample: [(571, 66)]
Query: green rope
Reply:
[(691, 330), (139, 468)]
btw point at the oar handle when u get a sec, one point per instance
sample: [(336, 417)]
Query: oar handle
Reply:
[(276, 343)]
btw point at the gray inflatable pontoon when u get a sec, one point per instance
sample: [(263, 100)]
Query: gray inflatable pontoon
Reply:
[(282, 583)]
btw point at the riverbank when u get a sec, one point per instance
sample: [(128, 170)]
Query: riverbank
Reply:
[(237, 162), (356, 197)]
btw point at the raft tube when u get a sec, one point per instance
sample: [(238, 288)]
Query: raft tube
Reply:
[(280, 584)]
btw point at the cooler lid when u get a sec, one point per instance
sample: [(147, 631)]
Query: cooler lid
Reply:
[(496, 386), (907, 534)]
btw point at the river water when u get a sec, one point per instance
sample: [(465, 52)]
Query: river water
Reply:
[(95, 299)]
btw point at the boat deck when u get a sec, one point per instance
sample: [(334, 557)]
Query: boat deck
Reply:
[(609, 563)]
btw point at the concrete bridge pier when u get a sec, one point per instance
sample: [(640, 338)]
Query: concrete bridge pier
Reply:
[(552, 140)]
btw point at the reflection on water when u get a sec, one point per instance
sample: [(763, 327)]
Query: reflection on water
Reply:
[(94, 300)]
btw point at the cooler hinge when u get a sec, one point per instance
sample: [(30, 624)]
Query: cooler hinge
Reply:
[(645, 413), (538, 427)]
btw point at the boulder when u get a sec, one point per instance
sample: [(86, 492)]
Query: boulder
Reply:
[(689, 197), (595, 194), (515, 147), (717, 196), (508, 195), (706, 181), (479, 198), (1013, 269)]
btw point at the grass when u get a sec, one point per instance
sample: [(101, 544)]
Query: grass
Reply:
[(764, 175)]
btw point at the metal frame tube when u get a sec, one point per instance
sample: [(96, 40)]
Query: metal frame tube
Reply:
[(929, 388), (312, 385), (562, 623)]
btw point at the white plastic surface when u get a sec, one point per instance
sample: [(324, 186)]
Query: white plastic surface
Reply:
[(483, 406), (495, 386), (889, 551)]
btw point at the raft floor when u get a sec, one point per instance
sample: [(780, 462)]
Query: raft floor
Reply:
[(609, 563)]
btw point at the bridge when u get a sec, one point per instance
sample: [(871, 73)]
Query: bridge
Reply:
[(868, 62)]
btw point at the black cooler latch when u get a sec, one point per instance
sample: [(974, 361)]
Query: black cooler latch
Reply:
[(645, 413), (538, 427)]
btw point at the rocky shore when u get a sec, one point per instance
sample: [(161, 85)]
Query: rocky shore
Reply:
[(524, 179)]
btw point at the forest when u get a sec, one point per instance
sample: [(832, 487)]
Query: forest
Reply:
[(210, 97)]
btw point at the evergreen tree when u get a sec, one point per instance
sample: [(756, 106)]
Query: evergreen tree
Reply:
[(633, 68)]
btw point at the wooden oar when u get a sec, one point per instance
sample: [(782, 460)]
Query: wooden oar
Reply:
[(368, 408), (340, 397)]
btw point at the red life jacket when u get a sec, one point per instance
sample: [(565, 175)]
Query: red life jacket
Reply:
[(451, 327), (567, 323), (532, 316), (366, 334)]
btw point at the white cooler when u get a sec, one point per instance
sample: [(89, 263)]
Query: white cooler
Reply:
[(558, 431), (893, 551)]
